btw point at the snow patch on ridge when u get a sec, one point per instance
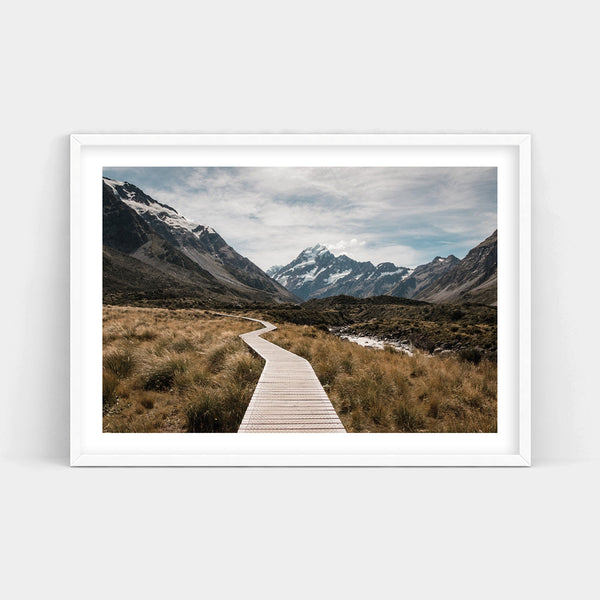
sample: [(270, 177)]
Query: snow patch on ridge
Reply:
[(112, 184), (310, 276), (306, 263), (168, 215), (337, 276), (390, 273)]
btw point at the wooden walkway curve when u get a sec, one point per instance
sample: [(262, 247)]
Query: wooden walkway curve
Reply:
[(288, 397)]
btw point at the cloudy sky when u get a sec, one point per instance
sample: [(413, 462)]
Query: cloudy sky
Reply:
[(404, 215)]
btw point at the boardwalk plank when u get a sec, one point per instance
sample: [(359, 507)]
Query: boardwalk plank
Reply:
[(288, 397)]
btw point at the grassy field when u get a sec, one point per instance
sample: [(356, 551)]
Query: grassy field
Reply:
[(175, 371), (466, 327), (385, 390), (187, 370)]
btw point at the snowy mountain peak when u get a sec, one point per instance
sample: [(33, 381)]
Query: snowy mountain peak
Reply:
[(442, 260), (314, 251), (387, 267), (317, 273)]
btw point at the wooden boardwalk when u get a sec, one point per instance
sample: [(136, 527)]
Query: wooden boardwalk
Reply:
[(288, 397)]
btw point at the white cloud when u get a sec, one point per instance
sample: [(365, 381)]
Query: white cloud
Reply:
[(345, 247), (401, 215)]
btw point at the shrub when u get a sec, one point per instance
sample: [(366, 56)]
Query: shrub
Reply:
[(304, 350), (110, 383), (310, 333), (120, 362), (366, 392), (206, 414), (378, 412), (162, 377), (142, 335), (417, 369), (147, 403), (181, 344), (347, 363), (407, 417), (191, 378), (221, 410), (216, 358), (471, 355), (236, 397), (327, 370), (218, 410), (246, 369), (356, 422), (434, 408)]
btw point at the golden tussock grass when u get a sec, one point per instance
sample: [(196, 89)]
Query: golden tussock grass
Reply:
[(385, 390), (188, 371), (175, 371)]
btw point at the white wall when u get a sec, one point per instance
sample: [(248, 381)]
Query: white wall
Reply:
[(310, 66)]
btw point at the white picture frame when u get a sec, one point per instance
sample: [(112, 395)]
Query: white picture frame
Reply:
[(510, 446)]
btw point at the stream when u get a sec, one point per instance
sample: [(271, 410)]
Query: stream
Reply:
[(373, 342)]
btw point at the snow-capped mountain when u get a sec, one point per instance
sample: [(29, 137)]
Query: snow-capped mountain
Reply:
[(317, 273), (144, 237)]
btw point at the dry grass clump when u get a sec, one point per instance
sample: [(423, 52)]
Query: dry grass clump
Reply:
[(221, 409), (387, 391), (175, 371)]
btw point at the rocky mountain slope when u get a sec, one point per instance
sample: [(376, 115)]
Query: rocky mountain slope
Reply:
[(423, 276), (472, 279), (151, 251)]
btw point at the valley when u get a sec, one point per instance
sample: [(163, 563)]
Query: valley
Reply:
[(396, 349)]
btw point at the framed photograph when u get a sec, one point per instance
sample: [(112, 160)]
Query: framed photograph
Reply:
[(300, 300)]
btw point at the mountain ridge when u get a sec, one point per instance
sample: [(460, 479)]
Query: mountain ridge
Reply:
[(317, 273), (194, 258), (472, 279)]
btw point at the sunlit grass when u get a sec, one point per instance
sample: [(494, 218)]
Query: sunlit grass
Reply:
[(376, 390), (175, 371), (188, 370)]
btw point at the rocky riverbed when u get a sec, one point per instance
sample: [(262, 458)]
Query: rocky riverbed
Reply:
[(369, 341)]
